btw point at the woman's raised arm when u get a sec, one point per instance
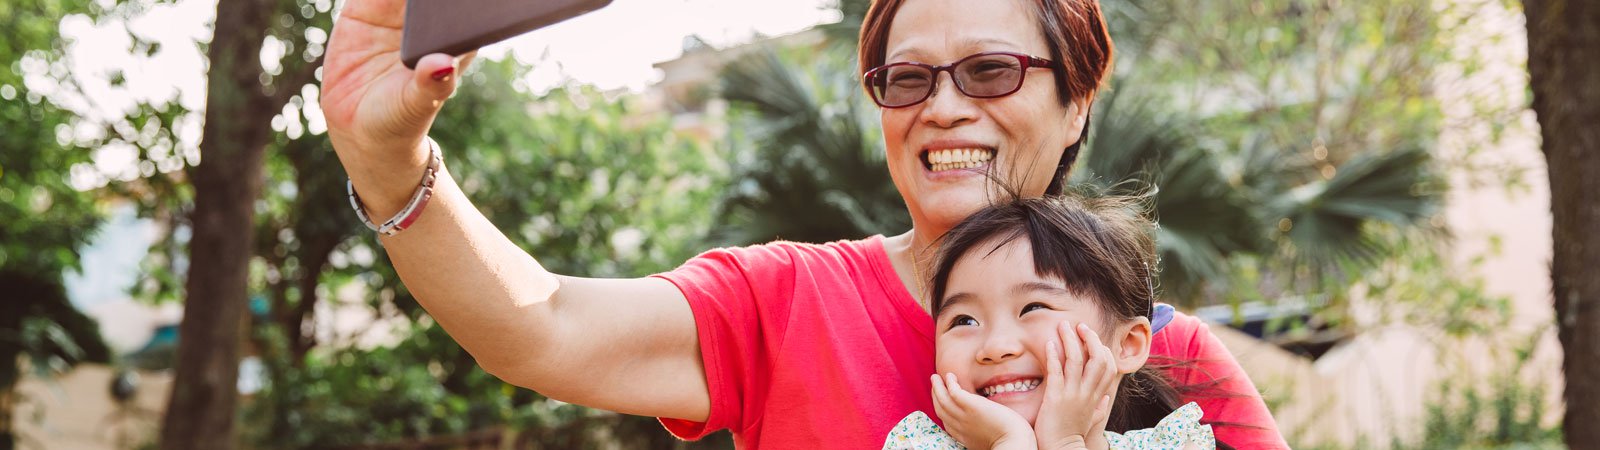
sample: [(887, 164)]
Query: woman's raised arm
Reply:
[(623, 345)]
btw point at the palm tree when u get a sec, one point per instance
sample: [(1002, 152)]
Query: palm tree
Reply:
[(811, 167), (1260, 207)]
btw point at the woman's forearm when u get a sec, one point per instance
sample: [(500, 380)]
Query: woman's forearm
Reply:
[(483, 289), (623, 345)]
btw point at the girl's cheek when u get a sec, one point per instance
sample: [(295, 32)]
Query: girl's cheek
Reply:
[(954, 356)]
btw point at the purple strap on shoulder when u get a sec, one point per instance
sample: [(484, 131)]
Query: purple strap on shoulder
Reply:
[(1160, 316)]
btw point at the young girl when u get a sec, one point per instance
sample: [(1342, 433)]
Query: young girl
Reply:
[(1023, 292)]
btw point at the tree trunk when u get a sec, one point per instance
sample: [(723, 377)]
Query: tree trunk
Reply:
[(1564, 65), (227, 182), (302, 326), (8, 440)]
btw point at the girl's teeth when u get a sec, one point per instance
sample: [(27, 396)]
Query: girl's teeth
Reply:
[(1015, 386)]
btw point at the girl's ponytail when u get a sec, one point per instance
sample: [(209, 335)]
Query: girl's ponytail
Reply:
[(1145, 397)]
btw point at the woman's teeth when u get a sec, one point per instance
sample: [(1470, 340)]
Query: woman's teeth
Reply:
[(1015, 386), (958, 158)]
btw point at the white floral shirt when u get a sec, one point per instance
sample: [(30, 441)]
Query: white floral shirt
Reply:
[(918, 432)]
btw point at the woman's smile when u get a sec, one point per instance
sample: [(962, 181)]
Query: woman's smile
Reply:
[(950, 160), (956, 159)]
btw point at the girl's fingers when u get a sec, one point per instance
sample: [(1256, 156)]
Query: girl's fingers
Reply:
[(1074, 352), (1094, 350), (1099, 351), (1102, 412), (1089, 337), (961, 396), (1053, 378), (941, 397), (950, 394), (1102, 366)]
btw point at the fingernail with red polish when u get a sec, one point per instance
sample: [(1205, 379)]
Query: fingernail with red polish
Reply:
[(441, 74)]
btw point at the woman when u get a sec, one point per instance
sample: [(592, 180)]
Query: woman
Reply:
[(787, 345)]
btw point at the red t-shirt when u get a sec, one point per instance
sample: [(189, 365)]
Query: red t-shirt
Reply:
[(821, 346)]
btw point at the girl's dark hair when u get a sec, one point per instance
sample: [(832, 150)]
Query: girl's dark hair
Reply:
[(1075, 32), (1100, 247)]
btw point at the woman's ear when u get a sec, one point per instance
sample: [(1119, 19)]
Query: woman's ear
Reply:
[(1079, 109), (1131, 347)]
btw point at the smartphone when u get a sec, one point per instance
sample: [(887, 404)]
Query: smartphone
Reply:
[(456, 27)]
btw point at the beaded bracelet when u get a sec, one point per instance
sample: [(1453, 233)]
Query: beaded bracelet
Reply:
[(413, 209)]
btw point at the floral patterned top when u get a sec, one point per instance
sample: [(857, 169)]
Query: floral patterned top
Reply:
[(918, 432)]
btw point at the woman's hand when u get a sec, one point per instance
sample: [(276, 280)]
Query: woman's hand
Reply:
[(1077, 391), (978, 422), (379, 111)]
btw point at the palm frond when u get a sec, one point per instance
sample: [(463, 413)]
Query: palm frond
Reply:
[(1203, 218), (1323, 222), (811, 169)]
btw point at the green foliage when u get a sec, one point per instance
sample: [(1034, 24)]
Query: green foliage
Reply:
[(45, 220), (346, 397), (423, 387), (808, 161), (1505, 412), (575, 177), (45, 328), (1266, 145), (1204, 218), (586, 185)]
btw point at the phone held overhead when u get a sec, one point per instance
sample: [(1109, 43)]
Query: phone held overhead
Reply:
[(456, 27)]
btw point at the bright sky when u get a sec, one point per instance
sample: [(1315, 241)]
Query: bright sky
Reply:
[(611, 48), (615, 46)]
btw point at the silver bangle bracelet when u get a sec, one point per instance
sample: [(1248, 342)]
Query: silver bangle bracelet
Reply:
[(408, 215)]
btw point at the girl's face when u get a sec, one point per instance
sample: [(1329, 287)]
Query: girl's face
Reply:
[(998, 316), (1018, 138)]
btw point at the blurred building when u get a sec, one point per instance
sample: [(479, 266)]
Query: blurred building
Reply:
[(687, 90)]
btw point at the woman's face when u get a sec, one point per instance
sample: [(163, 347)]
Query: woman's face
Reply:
[(1019, 138), (997, 317)]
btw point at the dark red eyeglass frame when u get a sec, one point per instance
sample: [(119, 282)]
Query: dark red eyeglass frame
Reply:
[(1027, 61)]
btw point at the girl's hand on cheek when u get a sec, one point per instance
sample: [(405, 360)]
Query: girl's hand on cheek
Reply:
[(1077, 390), (978, 422)]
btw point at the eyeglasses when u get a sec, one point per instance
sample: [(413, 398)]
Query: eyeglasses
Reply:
[(984, 75)]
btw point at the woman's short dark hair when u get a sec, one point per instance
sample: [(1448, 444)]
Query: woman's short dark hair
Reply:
[(1074, 30)]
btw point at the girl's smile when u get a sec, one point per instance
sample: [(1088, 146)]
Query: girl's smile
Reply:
[(1007, 387)]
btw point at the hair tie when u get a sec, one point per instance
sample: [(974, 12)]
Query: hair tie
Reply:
[(1160, 316)]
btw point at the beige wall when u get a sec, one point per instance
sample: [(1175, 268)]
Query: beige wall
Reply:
[(76, 412)]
